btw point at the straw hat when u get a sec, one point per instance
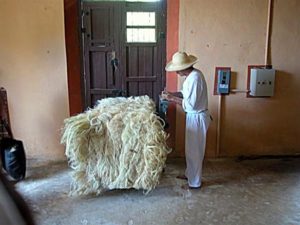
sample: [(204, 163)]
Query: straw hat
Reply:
[(181, 61)]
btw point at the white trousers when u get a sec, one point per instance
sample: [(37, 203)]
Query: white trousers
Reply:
[(195, 140)]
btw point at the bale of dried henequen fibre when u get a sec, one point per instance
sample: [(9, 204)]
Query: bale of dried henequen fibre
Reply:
[(118, 144)]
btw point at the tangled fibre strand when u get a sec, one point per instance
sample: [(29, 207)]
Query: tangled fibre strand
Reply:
[(118, 144)]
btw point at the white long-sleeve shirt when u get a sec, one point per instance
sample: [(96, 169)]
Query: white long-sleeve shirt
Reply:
[(194, 91)]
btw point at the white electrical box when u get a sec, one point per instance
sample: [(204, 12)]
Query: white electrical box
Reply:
[(262, 82)]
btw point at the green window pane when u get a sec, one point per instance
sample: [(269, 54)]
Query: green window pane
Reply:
[(141, 35), (140, 19)]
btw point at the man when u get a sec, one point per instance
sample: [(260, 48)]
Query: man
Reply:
[(193, 98)]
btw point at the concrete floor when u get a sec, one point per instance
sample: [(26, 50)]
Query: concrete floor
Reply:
[(262, 191)]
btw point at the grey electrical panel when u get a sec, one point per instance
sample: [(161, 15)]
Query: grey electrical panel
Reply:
[(262, 82)]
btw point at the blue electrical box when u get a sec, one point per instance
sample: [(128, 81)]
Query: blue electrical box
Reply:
[(223, 85)]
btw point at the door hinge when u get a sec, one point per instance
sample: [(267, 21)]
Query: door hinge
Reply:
[(83, 30)]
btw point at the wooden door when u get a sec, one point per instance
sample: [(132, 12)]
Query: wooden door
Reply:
[(123, 48), (101, 24)]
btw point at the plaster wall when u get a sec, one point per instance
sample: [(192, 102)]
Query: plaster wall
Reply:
[(33, 70), (232, 33)]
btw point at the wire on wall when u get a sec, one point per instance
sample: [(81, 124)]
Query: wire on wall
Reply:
[(268, 58)]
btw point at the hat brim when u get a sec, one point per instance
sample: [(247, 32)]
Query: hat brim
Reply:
[(171, 67)]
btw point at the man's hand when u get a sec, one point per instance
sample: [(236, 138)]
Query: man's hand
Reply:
[(168, 96)]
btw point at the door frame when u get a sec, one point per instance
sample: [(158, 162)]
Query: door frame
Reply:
[(72, 16)]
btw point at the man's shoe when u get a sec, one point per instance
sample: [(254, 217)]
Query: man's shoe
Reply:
[(194, 187), (187, 187)]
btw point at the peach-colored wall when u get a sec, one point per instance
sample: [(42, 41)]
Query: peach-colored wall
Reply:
[(221, 33), (233, 33), (33, 70)]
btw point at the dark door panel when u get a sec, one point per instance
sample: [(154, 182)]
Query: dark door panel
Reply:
[(99, 21), (141, 68), (102, 71)]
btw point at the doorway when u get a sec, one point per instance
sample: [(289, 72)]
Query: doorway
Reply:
[(123, 49)]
